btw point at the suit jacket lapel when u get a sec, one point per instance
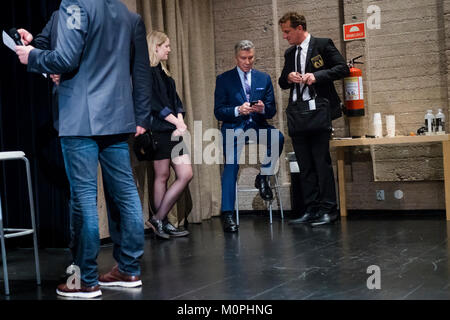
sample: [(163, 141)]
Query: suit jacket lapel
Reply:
[(238, 82), (312, 42)]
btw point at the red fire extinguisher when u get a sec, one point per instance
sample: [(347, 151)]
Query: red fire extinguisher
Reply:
[(353, 86)]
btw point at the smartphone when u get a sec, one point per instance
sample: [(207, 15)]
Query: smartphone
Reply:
[(15, 36), (253, 103)]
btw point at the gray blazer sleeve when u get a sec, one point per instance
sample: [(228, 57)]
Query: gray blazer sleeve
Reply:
[(73, 24), (141, 77), (43, 40)]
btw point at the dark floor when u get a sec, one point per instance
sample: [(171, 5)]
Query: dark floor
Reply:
[(272, 262)]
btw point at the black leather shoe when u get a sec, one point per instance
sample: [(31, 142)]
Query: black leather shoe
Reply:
[(174, 232), (264, 189), (157, 227), (306, 218), (228, 223), (325, 218)]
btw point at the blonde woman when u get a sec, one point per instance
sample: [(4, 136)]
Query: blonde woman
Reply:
[(167, 113)]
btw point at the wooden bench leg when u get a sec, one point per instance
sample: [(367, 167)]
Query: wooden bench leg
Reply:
[(446, 159), (341, 181)]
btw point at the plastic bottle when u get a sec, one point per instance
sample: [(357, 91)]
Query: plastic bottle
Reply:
[(429, 123), (377, 125), (440, 122)]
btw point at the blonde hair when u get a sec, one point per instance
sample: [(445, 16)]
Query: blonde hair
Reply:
[(154, 39)]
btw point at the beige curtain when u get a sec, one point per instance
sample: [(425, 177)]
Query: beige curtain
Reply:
[(192, 65)]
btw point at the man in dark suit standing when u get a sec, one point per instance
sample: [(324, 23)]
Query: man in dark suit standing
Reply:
[(314, 62), (243, 101), (96, 116)]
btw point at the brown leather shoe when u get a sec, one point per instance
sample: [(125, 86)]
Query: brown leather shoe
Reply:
[(115, 278), (83, 292)]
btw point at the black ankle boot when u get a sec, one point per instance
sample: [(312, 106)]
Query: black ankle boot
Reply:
[(262, 183), (157, 227), (174, 232)]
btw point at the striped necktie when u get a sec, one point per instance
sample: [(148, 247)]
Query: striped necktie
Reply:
[(247, 87), (247, 93)]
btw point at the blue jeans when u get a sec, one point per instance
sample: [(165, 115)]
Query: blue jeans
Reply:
[(81, 158)]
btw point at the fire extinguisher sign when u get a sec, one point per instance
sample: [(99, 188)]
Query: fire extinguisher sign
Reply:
[(354, 31)]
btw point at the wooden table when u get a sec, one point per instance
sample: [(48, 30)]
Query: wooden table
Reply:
[(340, 144)]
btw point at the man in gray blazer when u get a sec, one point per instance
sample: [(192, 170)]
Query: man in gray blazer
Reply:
[(96, 116)]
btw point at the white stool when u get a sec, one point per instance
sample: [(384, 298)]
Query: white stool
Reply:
[(275, 186), (6, 233)]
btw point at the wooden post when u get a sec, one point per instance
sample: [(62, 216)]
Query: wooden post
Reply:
[(446, 160), (341, 180)]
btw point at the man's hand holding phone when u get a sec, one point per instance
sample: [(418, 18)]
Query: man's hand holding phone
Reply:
[(257, 106), (25, 36), (245, 109)]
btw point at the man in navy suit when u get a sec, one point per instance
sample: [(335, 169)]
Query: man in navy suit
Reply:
[(243, 101), (96, 116)]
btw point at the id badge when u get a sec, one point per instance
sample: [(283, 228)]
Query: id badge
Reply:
[(312, 104)]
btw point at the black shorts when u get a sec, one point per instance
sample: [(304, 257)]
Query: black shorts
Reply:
[(165, 146)]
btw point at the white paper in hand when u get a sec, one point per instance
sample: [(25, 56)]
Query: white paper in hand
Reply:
[(8, 41)]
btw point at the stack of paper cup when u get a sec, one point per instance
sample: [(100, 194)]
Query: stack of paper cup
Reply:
[(390, 125), (377, 125)]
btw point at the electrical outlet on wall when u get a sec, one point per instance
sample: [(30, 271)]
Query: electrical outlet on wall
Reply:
[(398, 194), (380, 195)]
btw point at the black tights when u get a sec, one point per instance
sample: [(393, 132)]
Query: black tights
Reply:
[(164, 199)]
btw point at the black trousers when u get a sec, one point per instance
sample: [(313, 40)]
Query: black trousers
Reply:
[(316, 172)]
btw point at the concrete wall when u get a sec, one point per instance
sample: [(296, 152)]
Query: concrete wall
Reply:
[(405, 73)]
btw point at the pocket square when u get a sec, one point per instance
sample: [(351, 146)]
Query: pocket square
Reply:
[(259, 89)]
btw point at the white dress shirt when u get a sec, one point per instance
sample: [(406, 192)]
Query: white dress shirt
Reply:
[(303, 53)]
